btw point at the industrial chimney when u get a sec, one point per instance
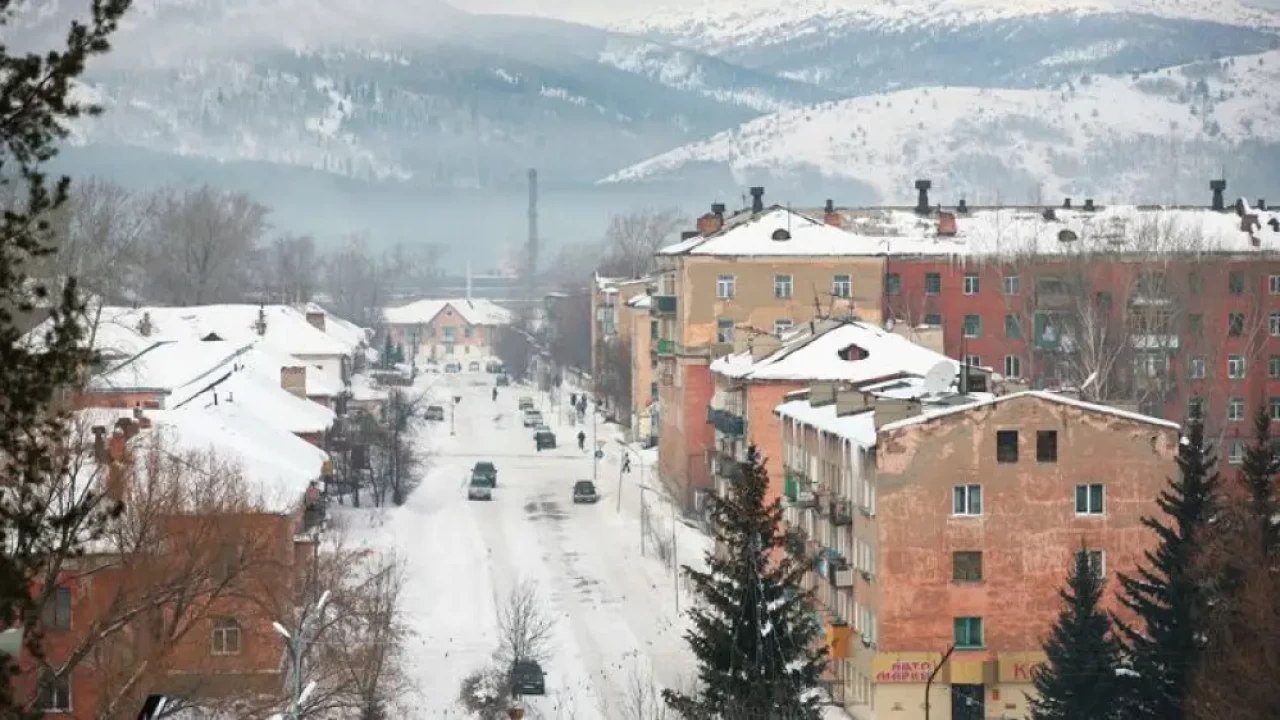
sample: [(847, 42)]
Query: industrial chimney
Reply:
[(1218, 187), (922, 200), (757, 200)]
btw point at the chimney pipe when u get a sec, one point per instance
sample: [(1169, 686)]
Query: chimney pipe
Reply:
[(1262, 203), (757, 200), (1218, 187), (963, 207), (830, 207), (1240, 207), (1066, 204), (717, 209), (1088, 205), (922, 200)]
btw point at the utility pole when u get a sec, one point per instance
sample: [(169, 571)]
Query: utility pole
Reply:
[(595, 420), (298, 647)]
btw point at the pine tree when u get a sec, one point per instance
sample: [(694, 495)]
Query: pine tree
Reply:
[(37, 532), (1079, 680), (1165, 592), (388, 353), (1258, 472), (754, 633)]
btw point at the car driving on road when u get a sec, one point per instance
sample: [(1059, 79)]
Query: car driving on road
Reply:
[(486, 470), (584, 491), (527, 678), (533, 418), (526, 403), (434, 412), (544, 438), (480, 488)]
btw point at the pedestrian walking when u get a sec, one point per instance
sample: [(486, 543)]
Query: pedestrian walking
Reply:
[(582, 440), (626, 463)]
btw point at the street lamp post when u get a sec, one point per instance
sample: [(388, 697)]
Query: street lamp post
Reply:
[(453, 410), (297, 647)]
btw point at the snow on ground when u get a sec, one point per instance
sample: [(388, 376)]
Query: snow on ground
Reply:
[(615, 610)]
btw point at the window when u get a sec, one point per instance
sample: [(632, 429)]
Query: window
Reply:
[(227, 563), (892, 284), (933, 319), (1096, 561), (56, 695), (782, 286), (1012, 366), (1273, 284), (226, 637), (726, 287), (1011, 285), (1046, 446), (1273, 324), (653, 391), (1012, 327), (1235, 282), (57, 610), (1195, 325), (932, 283), (448, 349), (968, 635), (1195, 282), (1235, 324), (1273, 408), (972, 326), (1235, 366), (1090, 499), (1235, 452), (466, 331), (970, 284), (1273, 366), (724, 331), (973, 360), (1195, 368), (841, 286), (1235, 409), (1007, 446), (1151, 282), (450, 333), (653, 330), (1195, 406), (966, 500), (966, 566), (781, 326)]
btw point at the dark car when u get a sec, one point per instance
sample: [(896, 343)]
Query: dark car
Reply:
[(434, 412), (545, 439), (503, 381), (485, 469), (584, 491), (527, 678), (525, 403)]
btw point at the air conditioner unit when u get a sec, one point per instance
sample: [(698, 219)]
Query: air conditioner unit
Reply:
[(844, 577), (866, 575)]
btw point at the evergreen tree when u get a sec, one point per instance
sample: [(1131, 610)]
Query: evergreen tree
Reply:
[(1079, 680), (754, 633), (388, 353), (39, 527), (1258, 472), (1166, 593)]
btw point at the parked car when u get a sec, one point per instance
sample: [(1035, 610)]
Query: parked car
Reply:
[(503, 381), (584, 491), (526, 403), (527, 678), (453, 368), (544, 439), (533, 418), (487, 470), (479, 488), (494, 368), (434, 413), (473, 366)]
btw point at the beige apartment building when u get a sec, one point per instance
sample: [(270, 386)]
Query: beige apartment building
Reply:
[(758, 272), (947, 519), (644, 388), (612, 337)]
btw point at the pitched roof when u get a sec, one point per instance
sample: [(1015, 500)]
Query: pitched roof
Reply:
[(344, 331), (815, 356), (179, 369), (1039, 395), (286, 329), (994, 232), (475, 312)]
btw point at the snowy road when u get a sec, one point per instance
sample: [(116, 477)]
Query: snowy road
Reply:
[(616, 623)]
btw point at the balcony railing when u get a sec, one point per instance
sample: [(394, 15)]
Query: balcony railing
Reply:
[(663, 305), (666, 347), (841, 512), (726, 422), (790, 486)]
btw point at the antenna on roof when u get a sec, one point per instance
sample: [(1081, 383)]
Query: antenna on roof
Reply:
[(939, 378)]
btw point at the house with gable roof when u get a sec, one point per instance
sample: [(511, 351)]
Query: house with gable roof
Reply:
[(446, 330)]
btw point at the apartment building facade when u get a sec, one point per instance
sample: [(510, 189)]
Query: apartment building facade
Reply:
[(614, 352), (459, 330), (644, 385), (954, 524), (761, 271)]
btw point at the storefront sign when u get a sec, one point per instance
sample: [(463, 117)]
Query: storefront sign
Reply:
[(906, 672), (1025, 671)]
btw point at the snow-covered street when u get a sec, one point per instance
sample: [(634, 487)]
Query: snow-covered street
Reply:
[(615, 611)]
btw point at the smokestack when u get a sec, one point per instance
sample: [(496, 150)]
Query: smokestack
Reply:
[(757, 200), (531, 267), (922, 197), (1218, 187), (1262, 203)]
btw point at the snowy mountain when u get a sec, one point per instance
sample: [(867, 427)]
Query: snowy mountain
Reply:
[(1155, 136), (863, 46)]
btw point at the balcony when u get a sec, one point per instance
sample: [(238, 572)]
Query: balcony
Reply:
[(728, 468), (726, 422), (665, 347), (795, 543), (841, 512), (663, 305), (790, 486)]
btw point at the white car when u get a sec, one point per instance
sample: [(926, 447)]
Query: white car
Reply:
[(533, 419)]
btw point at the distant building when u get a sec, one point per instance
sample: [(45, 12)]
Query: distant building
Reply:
[(446, 329)]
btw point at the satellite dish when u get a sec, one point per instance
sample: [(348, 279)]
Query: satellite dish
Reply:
[(940, 377)]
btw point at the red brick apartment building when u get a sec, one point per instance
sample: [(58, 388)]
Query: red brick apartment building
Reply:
[(1150, 308), (193, 620)]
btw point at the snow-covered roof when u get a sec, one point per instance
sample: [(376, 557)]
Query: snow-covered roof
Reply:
[(363, 389), (268, 363), (1038, 394), (641, 302), (344, 331), (286, 329), (858, 427), (475, 312), (607, 284), (254, 392), (994, 232), (815, 356), (179, 369)]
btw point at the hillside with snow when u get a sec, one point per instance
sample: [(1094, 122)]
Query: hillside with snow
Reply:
[(1148, 137)]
